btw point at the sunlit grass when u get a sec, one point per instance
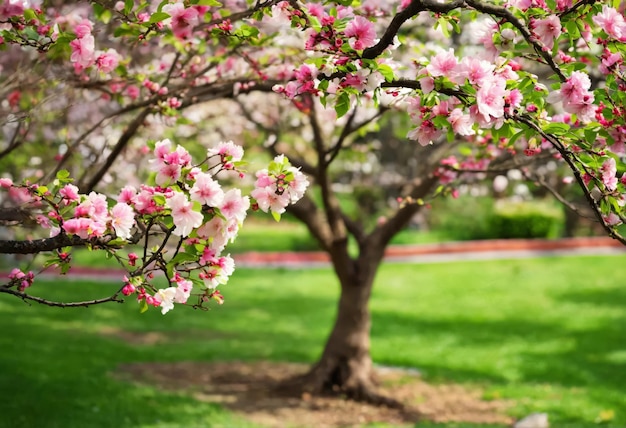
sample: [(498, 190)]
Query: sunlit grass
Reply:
[(546, 333)]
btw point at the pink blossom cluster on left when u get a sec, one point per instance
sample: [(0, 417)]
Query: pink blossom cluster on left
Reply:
[(187, 203)]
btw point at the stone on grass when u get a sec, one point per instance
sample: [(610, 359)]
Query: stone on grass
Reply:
[(535, 420)]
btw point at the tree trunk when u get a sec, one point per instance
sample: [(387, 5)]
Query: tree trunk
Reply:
[(345, 367)]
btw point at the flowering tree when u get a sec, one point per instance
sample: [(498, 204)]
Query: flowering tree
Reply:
[(531, 77)]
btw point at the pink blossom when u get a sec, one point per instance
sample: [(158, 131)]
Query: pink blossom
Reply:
[(185, 218), (562, 5), (268, 199), (427, 84), (162, 148), (475, 70), (83, 28), (612, 219), (69, 193), (609, 171), (575, 96), (547, 30), (461, 123), (361, 33), (183, 289), (127, 195), (425, 133), (228, 150), (206, 190), (83, 51), (297, 186), (183, 20), (9, 8), (234, 206), (610, 61), (443, 64), (133, 92), (180, 156), (144, 201), (167, 173), (6, 182), (94, 206), (77, 226), (165, 299), (490, 98), (215, 231), (128, 289), (122, 220), (612, 22), (107, 61)]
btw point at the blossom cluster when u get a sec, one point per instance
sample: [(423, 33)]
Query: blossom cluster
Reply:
[(187, 202), (278, 186)]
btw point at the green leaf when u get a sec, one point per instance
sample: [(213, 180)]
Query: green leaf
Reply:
[(590, 135), (443, 23), (105, 16), (276, 216), (556, 128), (386, 71), (143, 306), (573, 32), (342, 105), (158, 17), (29, 14), (159, 199), (128, 6), (213, 3), (441, 121), (41, 190), (63, 175), (182, 257)]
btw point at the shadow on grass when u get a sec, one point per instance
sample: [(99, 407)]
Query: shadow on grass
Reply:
[(54, 378), (595, 355), (56, 364)]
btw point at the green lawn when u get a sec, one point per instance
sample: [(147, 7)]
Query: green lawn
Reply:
[(548, 333)]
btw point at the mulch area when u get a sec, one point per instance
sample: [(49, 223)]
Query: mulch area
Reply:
[(249, 389)]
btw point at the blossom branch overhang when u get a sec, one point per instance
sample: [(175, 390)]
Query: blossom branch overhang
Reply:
[(567, 156), (507, 15), (417, 6)]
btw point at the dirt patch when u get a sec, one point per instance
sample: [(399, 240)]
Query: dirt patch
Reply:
[(250, 389)]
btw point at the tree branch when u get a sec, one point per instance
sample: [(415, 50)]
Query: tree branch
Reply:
[(567, 157), (87, 303), (124, 139), (409, 12)]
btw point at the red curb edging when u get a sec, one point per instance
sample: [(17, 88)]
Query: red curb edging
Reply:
[(395, 251)]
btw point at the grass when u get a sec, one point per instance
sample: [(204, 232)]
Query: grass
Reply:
[(547, 333)]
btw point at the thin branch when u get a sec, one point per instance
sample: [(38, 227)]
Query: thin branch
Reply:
[(124, 139), (543, 183), (87, 303), (347, 130), (14, 143)]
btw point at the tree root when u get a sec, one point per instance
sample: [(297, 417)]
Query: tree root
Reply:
[(362, 388)]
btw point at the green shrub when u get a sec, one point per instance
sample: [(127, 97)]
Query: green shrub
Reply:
[(536, 219), (483, 218)]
